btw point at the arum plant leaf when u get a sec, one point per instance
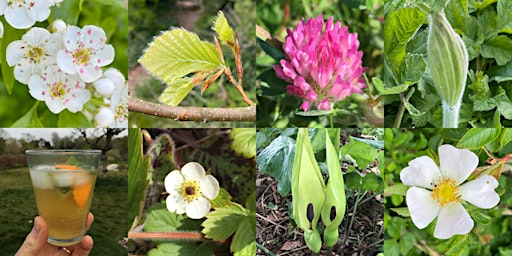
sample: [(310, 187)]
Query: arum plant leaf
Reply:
[(223, 29), (308, 190), (177, 53), (334, 206), (176, 91)]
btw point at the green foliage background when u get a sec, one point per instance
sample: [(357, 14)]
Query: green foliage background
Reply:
[(276, 108), (486, 29), (402, 237)]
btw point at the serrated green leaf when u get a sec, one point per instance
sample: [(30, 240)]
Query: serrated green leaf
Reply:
[(498, 48), (29, 119), (363, 153), (397, 189), (478, 137), (10, 34), (244, 141), (223, 198), (73, 120), (223, 221), (506, 137), (138, 178), (176, 91), (181, 248), (276, 160), (162, 220), (177, 53), (315, 113), (480, 217), (223, 29), (504, 17), (402, 211), (500, 73), (407, 243), (379, 85), (244, 241), (458, 245), (488, 23), (412, 68), (250, 204), (161, 157), (482, 4)]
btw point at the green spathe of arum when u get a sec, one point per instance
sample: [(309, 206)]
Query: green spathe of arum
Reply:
[(447, 59)]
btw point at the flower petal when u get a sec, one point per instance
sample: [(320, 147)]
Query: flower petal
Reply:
[(18, 17), (421, 172), (89, 73), (422, 207), (175, 203), (480, 192), (65, 62), (193, 171), (209, 187), (173, 181), (198, 208), (455, 163), (453, 220)]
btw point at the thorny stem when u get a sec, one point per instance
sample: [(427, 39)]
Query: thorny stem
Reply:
[(238, 86), (198, 114)]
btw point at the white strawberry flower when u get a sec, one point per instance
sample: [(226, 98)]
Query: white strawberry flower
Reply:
[(23, 14), (439, 191), (36, 50), (85, 52), (190, 191), (59, 90)]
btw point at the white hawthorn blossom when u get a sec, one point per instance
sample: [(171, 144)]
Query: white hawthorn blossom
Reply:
[(23, 14), (190, 190), (104, 117), (85, 52), (36, 49), (119, 105), (439, 191), (108, 82), (59, 90)]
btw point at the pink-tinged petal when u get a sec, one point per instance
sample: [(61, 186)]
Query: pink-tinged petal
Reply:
[(93, 37), (65, 62), (37, 88), (89, 73), (54, 105), (24, 70), (198, 208), (279, 73), (19, 18), (421, 172), (305, 106), (173, 181), (480, 192), (40, 10), (209, 187), (325, 104), (104, 57), (175, 203), (453, 219), (422, 206), (456, 164), (77, 100), (192, 171), (72, 38)]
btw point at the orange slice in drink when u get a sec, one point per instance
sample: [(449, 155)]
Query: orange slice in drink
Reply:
[(81, 193), (67, 167)]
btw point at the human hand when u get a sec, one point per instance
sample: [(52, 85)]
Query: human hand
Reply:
[(36, 242)]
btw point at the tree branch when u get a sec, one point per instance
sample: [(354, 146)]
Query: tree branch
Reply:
[(244, 114)]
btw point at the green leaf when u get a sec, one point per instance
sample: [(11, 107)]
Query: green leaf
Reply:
[(223, 29), (378, 144), (138, 178), (177, 53), (500, 73), (276, 54), (379, 85), (412, 68), (483, 4), (10, 34), (161, 157), (315, 113), (30, 119), (478, 137), (276, 160), (363, 153), (68, 11), (370, 181), (504, 17), (458, 245), (162, 220), (480, 217), (176, 91), (402, 211), (271, 84), (244, 241), (397, 189), (499, 48), (223, 221), (222, 199), (244, 141), (181, 248), (407, 243), (488, 23), (73, 120)]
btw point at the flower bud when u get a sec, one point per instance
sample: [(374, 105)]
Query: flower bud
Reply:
[(447, 60)]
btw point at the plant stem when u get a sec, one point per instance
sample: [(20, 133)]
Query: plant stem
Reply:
[(401, 109), (329, 251), (451, 115), (238, 86), (264, 249), (331, 121)]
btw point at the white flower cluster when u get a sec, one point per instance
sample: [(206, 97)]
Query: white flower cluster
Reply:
[(63, 68)]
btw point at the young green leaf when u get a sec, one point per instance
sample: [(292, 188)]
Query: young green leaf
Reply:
[(222, 199), (29, 120), (138, 178), (223, 221), (307, 188), (223, 29), (363, 153), (176, 91), (334, 206), (478, 137), (244, 141), (177, 53)]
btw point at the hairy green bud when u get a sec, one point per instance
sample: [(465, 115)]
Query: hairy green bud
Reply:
[(447, 59)]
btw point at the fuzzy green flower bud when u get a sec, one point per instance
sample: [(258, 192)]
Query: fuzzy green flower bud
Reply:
[(448, 62)]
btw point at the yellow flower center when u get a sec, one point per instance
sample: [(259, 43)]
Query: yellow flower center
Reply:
[(446, 192), (58, 90), (35, 54), (82, 56), (189, 190)]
